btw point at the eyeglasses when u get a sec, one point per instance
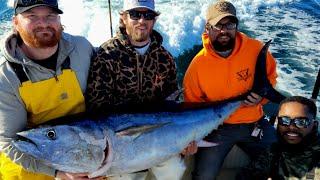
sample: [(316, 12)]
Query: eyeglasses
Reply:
[(219, 27), (136, 15), (302, 122)]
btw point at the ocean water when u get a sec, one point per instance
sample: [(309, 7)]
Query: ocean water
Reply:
[(293, 25)]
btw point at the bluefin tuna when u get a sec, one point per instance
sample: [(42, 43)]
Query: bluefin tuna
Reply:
[(121, 143), (130, 142)]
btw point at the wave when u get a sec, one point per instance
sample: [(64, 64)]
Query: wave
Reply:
[(292, 24)]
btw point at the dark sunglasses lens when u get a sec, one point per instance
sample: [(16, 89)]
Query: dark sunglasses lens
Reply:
[(149, 16), (298, 122), (302, 122), (134, 15), (284, 121)]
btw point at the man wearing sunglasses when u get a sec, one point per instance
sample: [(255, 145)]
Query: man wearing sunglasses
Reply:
[(223, 69), (43, 75), (132, 69), (296, 155)]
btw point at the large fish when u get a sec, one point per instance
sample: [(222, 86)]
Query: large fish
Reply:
[(130, 142)]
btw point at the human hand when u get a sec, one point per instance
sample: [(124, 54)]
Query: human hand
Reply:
[(252, 99), (191, 149), (76, 176)]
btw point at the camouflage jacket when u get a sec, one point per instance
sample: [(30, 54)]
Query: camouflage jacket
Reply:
[(120, 75), (287, 162)]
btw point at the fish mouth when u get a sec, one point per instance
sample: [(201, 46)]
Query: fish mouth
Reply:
[(26, 145), (24, 139)]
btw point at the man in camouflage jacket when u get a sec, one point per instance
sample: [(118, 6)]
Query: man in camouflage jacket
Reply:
[(120, 75), (134, 69)]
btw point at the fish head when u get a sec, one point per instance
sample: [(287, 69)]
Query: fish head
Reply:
[(66, 148)]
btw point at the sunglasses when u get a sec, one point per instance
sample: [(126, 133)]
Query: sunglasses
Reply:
[(219, 27), (301, 122), (147, 15)]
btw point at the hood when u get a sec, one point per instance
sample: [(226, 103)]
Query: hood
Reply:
[(241, 40), (9, 47)]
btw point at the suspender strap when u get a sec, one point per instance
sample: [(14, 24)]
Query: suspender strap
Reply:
[(18, 69), (66, 64)]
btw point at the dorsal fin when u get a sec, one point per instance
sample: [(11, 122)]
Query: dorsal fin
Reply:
[(261, 83)]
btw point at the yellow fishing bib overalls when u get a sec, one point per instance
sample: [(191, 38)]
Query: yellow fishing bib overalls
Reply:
[(45, 100)]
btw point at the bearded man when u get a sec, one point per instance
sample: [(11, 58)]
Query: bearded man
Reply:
[(43, 75), (223, 69), (132, 69), (296, 154)]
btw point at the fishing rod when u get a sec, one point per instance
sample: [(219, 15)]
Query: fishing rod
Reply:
[(316, 87), (110, 18)]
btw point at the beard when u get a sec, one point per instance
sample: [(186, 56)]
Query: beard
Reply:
[(39, 39), (139, 36), (305, 141), (224, 46)]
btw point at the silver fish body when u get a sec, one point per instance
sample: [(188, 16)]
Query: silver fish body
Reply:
[(121, 143)]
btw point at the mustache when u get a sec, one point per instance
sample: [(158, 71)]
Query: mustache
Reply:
[(224, 34), (39, 29), (141, 25)]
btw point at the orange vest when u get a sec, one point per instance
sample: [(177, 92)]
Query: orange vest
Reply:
[(211, 77)]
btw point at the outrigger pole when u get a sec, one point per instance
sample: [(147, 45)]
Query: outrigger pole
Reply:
[(316, 87), (110, 18)]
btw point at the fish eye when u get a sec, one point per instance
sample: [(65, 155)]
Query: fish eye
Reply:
[(51, 134)]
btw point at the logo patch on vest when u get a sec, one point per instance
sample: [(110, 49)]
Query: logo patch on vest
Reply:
[(64, 96), (244, 75)]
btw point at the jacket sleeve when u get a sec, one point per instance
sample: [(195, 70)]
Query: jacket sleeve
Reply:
[(13, 119), (100, 81), (192, 90)]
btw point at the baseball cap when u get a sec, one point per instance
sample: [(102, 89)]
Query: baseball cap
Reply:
[(21, 6), (133, 4), (220, 10)]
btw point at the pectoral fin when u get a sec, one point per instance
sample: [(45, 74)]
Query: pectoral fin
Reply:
[(203, 143)]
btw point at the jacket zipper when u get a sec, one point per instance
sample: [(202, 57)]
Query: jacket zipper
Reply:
[(141, 58), (138, 74)]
